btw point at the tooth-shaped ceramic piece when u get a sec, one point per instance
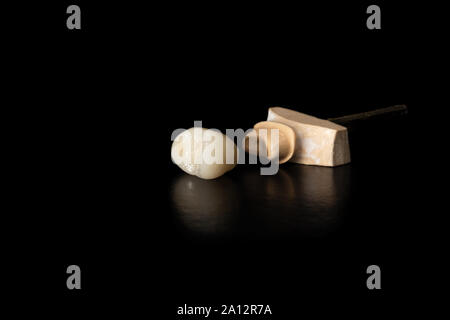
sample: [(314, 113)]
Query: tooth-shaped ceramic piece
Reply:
[(284, 146), (204, 153)]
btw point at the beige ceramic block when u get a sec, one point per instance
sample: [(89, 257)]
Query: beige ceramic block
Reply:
[(318, 142)]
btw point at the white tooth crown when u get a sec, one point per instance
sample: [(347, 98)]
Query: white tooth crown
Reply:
[(204, 153)]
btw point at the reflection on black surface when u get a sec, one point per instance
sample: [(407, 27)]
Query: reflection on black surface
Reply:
[(300, 199), (205, 206)]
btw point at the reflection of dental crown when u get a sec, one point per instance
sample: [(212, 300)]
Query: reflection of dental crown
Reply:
[(306, 199)]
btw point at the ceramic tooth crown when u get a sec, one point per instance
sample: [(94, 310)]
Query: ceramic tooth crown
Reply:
[(203, 153), (286, 140)]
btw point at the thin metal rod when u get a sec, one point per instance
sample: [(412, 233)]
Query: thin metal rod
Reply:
[(393, 110)]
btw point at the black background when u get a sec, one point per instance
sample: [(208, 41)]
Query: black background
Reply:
[(94, 185)]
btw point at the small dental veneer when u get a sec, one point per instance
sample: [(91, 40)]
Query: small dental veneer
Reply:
[(285, 145), (203, 153)]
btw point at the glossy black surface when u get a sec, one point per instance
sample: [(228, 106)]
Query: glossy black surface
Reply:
[(298, 199)]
